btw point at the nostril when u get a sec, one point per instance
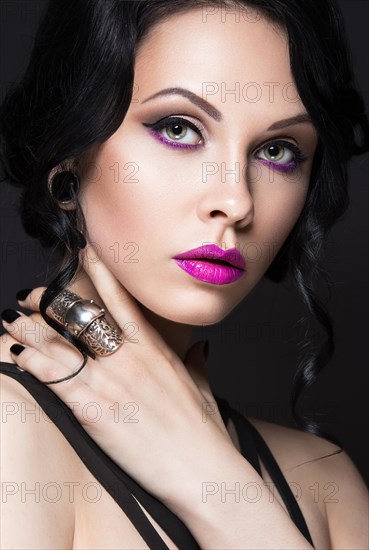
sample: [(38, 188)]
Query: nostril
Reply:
[(215, 213)]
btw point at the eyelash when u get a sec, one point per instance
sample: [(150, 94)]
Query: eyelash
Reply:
[(298, 159), (167, 122), (171, 121)]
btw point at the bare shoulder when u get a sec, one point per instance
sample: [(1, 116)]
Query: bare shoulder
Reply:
[(25, 423), (322, 467), (292, 447), (12, 393), (36, 464)]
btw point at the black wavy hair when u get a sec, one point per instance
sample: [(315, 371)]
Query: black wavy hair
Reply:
[(78, 87)]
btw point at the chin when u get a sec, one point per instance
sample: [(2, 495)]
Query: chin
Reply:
[(189, 311)]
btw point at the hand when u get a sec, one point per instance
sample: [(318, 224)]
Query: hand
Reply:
[(148, 405)]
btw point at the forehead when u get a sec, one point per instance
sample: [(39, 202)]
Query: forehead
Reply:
[(191, 50)]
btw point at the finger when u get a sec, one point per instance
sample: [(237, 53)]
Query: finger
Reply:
[(29, 331), (47, 370), (32, 300), (118, 300)]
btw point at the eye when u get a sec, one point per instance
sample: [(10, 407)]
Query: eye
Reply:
[(277, 153), (281, 155), (181, 132), (177, 132)]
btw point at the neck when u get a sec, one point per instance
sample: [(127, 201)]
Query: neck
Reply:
[(176, 335)]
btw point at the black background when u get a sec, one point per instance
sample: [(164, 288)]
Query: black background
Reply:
[(253, 352)]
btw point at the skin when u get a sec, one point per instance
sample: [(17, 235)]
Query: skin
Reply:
[(170, 195), (167, 211)]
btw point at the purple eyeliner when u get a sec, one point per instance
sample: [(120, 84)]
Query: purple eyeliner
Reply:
[(279, 167), (154, 131), (173, 144)]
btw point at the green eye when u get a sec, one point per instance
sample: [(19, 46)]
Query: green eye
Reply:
[(274, 152), (176, 131), (281, 155)]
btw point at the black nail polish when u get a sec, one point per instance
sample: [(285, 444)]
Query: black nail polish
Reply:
[(206, 349), (9, 315), (22, 294), (17, 349)]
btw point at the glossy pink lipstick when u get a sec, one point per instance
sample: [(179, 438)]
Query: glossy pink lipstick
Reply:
[(211, 264)]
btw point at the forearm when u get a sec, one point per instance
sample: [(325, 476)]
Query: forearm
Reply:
[(236, 510)]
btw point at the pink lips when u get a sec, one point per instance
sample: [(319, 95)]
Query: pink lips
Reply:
[(202, 264)]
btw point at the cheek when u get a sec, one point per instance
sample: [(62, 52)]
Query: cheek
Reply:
[(276, 214), (285, 214), (108, 215), (127, 212)]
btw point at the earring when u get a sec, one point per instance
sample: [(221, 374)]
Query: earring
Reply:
[(64, 186)]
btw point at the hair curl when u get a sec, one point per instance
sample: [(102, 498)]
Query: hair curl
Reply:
[(63, 106)]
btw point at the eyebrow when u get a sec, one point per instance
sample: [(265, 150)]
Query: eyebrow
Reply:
[(217, 115), (195, 99), (297, 119)]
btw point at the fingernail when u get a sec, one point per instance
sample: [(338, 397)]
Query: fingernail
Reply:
[(9, 315), (22, 294), (206, 349), (16, 349)]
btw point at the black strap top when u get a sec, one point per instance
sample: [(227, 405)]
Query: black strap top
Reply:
[(122, 487)]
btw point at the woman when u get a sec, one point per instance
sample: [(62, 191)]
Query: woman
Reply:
[(134, 144)]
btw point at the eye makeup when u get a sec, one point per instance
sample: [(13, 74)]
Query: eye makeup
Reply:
[(298, 156), (156, 128), (167, 122)]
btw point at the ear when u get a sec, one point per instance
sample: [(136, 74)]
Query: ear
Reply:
[(63, 185)]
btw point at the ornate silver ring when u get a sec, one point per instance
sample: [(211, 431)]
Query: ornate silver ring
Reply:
[(85, 320)]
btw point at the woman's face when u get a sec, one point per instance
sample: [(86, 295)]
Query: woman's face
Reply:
[(228, 174)]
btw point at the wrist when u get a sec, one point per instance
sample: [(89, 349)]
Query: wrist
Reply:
[(222, 481), (235, 510)]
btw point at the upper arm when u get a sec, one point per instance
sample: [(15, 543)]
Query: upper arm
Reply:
[(348, 512), (35, 511)]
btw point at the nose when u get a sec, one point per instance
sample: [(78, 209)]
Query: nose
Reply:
[(227, 197)]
